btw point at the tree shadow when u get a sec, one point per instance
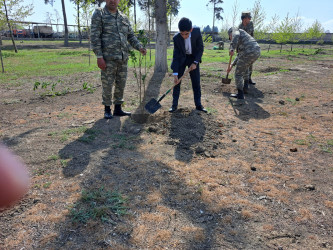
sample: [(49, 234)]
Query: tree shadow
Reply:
[(188, 129), (152, 91), (132, 175), (16, 140), (249, 108), (119, 165), (77, 154)]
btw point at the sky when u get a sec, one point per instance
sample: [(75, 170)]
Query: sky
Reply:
[(201, 15)]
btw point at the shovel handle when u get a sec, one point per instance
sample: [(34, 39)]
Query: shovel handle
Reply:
[(161, 98), (229, 66), (180, 79)]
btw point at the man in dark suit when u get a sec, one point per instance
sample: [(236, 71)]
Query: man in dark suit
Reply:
[(188, 49)]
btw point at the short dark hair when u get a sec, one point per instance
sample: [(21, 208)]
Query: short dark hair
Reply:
[(185, 24)]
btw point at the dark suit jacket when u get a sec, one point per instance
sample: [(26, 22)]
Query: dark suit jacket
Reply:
[(179, 53)]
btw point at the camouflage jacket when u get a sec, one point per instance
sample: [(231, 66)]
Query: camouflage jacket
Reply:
[(248, 28), (110, 35), (242, 42)]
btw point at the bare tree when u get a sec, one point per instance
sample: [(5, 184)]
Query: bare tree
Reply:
[(235, 13), (217, 10), (58, 18), (64, 17), (11, 11), (146, 5), (77, 17), (161, 65), (258, 16)]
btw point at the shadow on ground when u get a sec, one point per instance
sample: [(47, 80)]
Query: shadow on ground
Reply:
[(249, 108)]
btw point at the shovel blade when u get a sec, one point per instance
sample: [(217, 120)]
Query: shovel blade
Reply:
[(226, 80), (152, 106)]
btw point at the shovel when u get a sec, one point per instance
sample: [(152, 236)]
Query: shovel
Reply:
[(226, 80), (153, 105)]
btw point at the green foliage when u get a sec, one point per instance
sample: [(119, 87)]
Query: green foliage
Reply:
[(124, 6), (258, 18), (50, 91), (140, 73), (16, 11), (316, 31), (285, 32), (53, 157), (89, 135), (89, 87), (98, 204)]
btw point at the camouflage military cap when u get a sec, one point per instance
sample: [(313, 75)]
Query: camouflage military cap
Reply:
[(246, 14)]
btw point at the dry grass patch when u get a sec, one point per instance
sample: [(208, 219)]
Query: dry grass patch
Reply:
[(268, 227), (154, 198), (247, 214), (194, 233), (329, 204), (304, 215)]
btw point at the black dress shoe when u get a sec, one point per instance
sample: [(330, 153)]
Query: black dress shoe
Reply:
[(172, 109), (201, 108), (108, 115)]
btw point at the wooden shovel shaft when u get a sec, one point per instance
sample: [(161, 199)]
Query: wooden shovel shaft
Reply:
[(179, 80), (229, 65)]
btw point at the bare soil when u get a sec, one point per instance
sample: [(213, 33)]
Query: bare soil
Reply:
[(255, 174)]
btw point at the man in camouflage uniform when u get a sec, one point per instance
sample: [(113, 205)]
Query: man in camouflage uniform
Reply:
[(248, 51), (247, 25), (110, 33)]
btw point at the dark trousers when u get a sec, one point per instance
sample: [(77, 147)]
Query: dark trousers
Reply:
[(195, 79)]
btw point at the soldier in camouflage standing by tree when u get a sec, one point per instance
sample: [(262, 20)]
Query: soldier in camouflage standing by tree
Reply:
[(110, 34), (248, 51), (247, 25)]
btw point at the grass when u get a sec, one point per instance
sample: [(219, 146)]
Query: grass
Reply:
[(297, 52), (98, 204), (64, 135), (53, 157), (44, 63), (123, 142), (30, 64)]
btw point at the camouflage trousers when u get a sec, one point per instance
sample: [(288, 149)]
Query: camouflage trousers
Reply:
[(116, 72), (244, 63)]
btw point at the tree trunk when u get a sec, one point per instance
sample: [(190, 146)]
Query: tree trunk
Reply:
[(161, 64), (65, 23), (3, 69), (78, 22), (213, 17), (9, 26), (134, 4), (149, 27)]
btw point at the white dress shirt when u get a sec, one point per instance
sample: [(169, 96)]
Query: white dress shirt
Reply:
[(188, 46)]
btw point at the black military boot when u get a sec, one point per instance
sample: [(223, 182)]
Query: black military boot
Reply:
[(246, 87), (250, 81), (107, 113), (118, 111), (239, 95)]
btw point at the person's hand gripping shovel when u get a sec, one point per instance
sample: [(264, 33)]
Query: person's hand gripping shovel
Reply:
[(153, 105)]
